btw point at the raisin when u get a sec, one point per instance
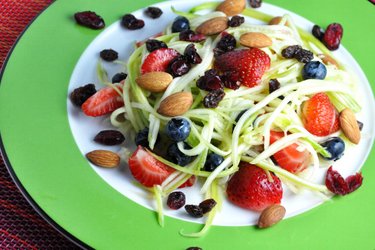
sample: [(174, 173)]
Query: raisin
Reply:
[(212, 99), (153, 44), (176, 200), (317, 32), (194, 211), (108, 55), (290, 51), (178, 66), (226, 43), (191, 54), (231, 80), (193, 248), (332, 36), (360, 125), (153, 12), (191, 36), (89, 19), (236, 21), (255, 3), (210, 81), (338, 185), (81, 94), (109, 137), (207, 205), (304, 56), (130, 22), (273, 85), (119, 77)]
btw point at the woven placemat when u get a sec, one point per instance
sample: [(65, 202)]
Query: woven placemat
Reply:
[(20, 226)]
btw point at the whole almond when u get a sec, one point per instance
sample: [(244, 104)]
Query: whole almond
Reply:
[(349, 125), (104, 158), (176, 104), (271, 215), (213, 26), (255, 40), (232, 7), (328, 60), (275, 21), (155, 82)]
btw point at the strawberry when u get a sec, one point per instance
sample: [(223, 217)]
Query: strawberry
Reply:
[(319, 116), (250, 188), (149, 171), (103, 102), (289, 158), (248, 65), (158, 60)]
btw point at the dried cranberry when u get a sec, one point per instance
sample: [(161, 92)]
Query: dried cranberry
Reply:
[(108, 55), (191, 54), (210, 81), (290, 51), (89, 19), (207, 205), (236, 21), (255, 3), (212, 99), (372, 1), (178, 66), (304, 56), (191, 36), (231, 80), (226, 43), (317, 32), (338, 185), (193, 248), (360, 125), (109, 137), (153, 12), (119, 77), (130, 22), (153, 44), (81, 94), (332, 36), (176, 200), (273, 85), (194, 211)]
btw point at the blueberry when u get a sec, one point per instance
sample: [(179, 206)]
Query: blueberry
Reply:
[(178, 129), (177, 157), (314, 70), (142, 138), (180, 24), (335, 146), (119, 77), (213, 161)]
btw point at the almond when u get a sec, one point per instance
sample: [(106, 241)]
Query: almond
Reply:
[(349, 125), (255, 40), (276, 21), (327, 60), (232, 7), (154, 81), (213, 26), (104, 158), (271, 215), (176, 104)]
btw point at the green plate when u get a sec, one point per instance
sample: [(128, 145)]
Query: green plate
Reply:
[(47, 164)]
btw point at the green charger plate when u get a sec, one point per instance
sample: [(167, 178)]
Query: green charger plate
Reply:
[(44, 159)]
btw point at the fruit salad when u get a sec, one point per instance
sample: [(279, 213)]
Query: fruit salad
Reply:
[(217, 101)]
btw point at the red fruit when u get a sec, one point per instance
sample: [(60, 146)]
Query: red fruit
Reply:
[(248, 65), (332, 36), (338, 185), (149, 171), (289, 158), (319, 116), (103, 102), (250, 188), (158, 60)]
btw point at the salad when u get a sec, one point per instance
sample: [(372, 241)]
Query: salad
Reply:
[(243, 109)]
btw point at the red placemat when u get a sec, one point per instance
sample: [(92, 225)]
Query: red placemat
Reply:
[(21, 227)]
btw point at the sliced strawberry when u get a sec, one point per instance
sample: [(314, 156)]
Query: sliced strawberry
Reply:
[(248, 65), (319, 116), (250, 188), (140, 43), (103, 102), (149, 171), (289, 158), (158, 60)]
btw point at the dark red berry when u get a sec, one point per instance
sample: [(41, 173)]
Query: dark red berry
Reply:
[(130, 22), (191, 54), (119, 77), (210, 81), (153, 44), (207, 205), (338, 185), (332, 36), (108, 55), (304, 56), (178, 66), (226, 43), (89, 19), (191, 36), (230, 79), (212, 99), (176, 200), (290, 51), (372, 1), (273, 85), (318, 32), (81, 94), (255, 3), (360, 125), (109, 137), (193, 248), (153, 12), (194, 211), (236, 21)]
